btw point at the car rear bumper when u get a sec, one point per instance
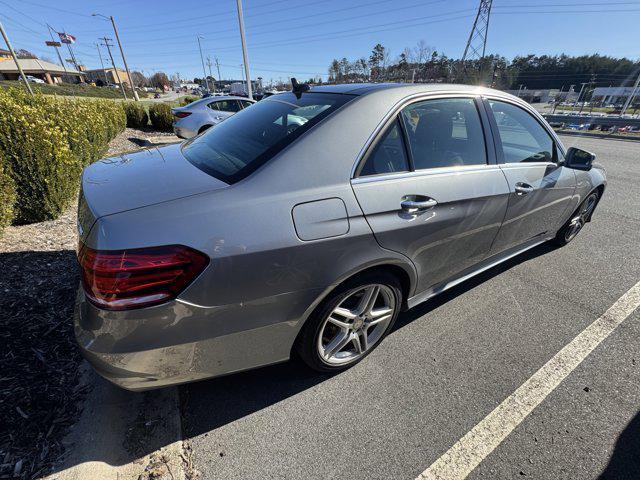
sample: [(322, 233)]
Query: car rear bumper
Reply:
[(183, 132), (178, 342)]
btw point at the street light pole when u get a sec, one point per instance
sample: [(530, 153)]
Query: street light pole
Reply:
[(204, 70), (244, 49), (15, 59)]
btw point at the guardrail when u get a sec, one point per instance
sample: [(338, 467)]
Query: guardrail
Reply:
[(593, 120)]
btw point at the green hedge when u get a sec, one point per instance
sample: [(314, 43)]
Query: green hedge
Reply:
[(161, 117), (184, 101), (136, 115), (7, 197), (46, 142)]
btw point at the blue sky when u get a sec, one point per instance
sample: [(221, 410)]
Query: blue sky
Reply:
[(300, 37)]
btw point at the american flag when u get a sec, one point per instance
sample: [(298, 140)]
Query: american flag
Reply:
[(66, 38)]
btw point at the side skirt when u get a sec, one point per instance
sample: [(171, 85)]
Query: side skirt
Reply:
[(475, 270)]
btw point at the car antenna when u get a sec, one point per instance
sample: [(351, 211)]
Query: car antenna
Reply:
[(298, 88)]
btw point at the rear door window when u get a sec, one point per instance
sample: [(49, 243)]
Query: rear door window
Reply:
[(225, 106), (243, 142), (389, 154)]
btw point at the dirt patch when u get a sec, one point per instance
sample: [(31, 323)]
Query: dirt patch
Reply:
[(39, 361)]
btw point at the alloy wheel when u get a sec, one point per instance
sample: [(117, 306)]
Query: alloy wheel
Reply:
[(581, 217), (356, 324)]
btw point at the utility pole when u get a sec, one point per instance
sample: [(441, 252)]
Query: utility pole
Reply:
[(245, 57), (218, 67), (115, 70), (15, 59), (203, 69), (210, 74), (124, 59), (592, 81), (106, 80), (630, 98), (580, 94)]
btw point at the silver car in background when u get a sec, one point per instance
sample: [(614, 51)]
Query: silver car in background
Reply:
[(202, 114), (307, 222)]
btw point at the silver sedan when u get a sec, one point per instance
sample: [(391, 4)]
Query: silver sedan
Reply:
[(202, 114), (307, 222)]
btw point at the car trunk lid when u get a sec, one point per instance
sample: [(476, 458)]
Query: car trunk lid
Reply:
[(136, 180)]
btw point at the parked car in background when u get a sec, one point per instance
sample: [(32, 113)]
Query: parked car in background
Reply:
[(307, 222), (202, 114), (32, 79)]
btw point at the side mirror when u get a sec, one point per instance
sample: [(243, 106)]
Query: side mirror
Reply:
[(579, 159)]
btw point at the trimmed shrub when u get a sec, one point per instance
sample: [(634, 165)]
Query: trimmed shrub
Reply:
[(187, 100), (7, 197), (161, 117), (136, 115), (46, 142)]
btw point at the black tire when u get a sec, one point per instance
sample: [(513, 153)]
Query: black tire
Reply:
[(307, 345), (204, 128), (577, 220)]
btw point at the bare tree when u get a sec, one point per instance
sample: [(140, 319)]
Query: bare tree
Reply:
[(422, 52)]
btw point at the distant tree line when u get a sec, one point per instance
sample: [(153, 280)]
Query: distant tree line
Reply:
[(424, 64)]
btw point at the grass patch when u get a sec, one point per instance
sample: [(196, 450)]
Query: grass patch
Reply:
[(78, 90)]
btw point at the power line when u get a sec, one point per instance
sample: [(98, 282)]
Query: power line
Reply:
[(314, 24)]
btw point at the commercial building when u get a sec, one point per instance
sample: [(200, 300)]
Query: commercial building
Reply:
[(107, 76), (612, 95), (51, 73)]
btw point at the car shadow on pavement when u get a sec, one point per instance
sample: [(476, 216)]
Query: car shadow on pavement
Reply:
[(211, 404), (625, 460)]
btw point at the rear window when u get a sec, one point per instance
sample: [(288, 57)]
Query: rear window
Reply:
[(242, 143)]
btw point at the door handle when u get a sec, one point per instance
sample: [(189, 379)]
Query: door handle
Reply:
[(414, 203), (523, 188)]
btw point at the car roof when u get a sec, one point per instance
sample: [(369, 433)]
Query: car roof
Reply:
[(367, 88), (215, 98)]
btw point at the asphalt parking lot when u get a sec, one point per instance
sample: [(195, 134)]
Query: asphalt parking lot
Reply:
[(450, 362)]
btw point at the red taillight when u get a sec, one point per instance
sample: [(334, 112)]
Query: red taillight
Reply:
[(182, 114), (126, 279)]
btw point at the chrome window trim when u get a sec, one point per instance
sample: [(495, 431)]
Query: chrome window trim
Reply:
[(425, 172)]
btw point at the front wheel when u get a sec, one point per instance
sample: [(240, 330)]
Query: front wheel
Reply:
[(574, 225), (351, 322)]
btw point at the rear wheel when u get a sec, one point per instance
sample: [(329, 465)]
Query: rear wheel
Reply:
[(351, 322), (577, 221)]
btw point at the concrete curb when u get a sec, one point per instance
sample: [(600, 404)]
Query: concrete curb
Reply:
[(124, 435), (160, 141)]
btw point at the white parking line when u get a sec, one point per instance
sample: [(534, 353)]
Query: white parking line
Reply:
[(460, 460)]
